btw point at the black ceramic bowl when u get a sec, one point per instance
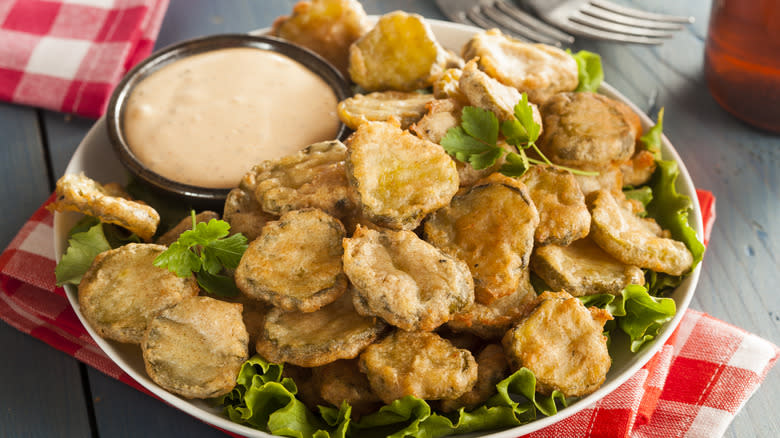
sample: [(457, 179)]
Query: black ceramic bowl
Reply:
[(194, 196)]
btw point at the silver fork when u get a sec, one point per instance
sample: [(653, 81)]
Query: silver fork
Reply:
[(602, 19), (502, 14)]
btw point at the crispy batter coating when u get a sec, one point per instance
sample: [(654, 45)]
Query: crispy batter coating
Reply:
[(633, 240), (317, 338), (491, 321), (586, 130), (441, 115), (401, 107), (196, 348), (582, 268), (82, 194), (253, 314), (609, 178), (342, 381), (562, 343), (123, 290), (405, 280), (563, 215), (185, 224), (446, 85), (491, 227), (327, 27), (492, 367), (399, 178), (638, 169), (537, 69), (421, 364), (295, 264), (484, 92), (244, 213), (399, 53)]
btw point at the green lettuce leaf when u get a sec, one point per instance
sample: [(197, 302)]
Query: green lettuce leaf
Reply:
[(83, 247), (589, 70)]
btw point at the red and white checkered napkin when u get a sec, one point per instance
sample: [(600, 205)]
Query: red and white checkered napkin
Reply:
[(692, 387), (67, 55)]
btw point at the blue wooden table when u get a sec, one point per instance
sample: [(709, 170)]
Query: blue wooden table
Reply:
[(45, 393)]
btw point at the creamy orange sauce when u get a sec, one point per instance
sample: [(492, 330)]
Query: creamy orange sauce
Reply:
[(205, 120)]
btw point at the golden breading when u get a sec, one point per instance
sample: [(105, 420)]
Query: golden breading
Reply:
[(421, 364), (327, 27), (317, 338), (313, 177), (196, 348), (185, 224), (295, 264), (537, 69), (253, 314), (582, 268), (244, 213), (82, 194), (563, 344), (491, 227), (638, 169), (446, 85), (633, 240), (492, 367), (441, 116), (491, 321), (123, 290), (586, 130), (342, 381), (609, 178), (563, 215), (399, 53), (404, 280), (398, 177), (401, 107)]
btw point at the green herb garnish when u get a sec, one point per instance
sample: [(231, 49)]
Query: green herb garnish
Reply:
[(206, 251), (589, 71)]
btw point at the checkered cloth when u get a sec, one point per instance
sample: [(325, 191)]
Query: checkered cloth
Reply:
[(67, 55), (692, 387)]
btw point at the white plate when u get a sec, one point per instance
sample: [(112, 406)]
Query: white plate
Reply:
[(96, 159)]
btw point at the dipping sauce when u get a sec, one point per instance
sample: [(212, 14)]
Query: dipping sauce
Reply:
[(206, 119)]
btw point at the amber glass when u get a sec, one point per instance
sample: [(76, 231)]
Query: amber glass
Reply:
[(742, 60)]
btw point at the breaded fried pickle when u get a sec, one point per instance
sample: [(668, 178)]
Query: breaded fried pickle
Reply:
[(491, 227), (314, 177), (79, 193), (401, 107), (399, 53), (492, 368), (421, 364), (563, 215), (399, 178), (317, 338), (537, 69), (295, 264), (484, 92), (123, 290), (562, 343), (405, 280), (633, 240), (342, 381), (327, 27), (244, 214), (196, 348), (582, 268)]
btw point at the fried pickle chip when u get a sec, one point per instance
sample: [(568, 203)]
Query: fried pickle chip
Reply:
[(586, 130), (313, 177), (484, 92), (582, 268), (327, 27), (399, 53), (492, 368), (609, 178), (196, 348), (123, 290), (441, 115), (491, 321), (404, 108), (398, 177), (446, 85), (537, 69), (562, 343), (341, 381), (185, 224), (638, 169), (404, 280), (563, 215), (244, 213), (295, 264), (491, 227), (313, 339), (633, 240), (421, 364), (82, 194)]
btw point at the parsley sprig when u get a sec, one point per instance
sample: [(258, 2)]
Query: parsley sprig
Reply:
[(475, 141), (206, 251)]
